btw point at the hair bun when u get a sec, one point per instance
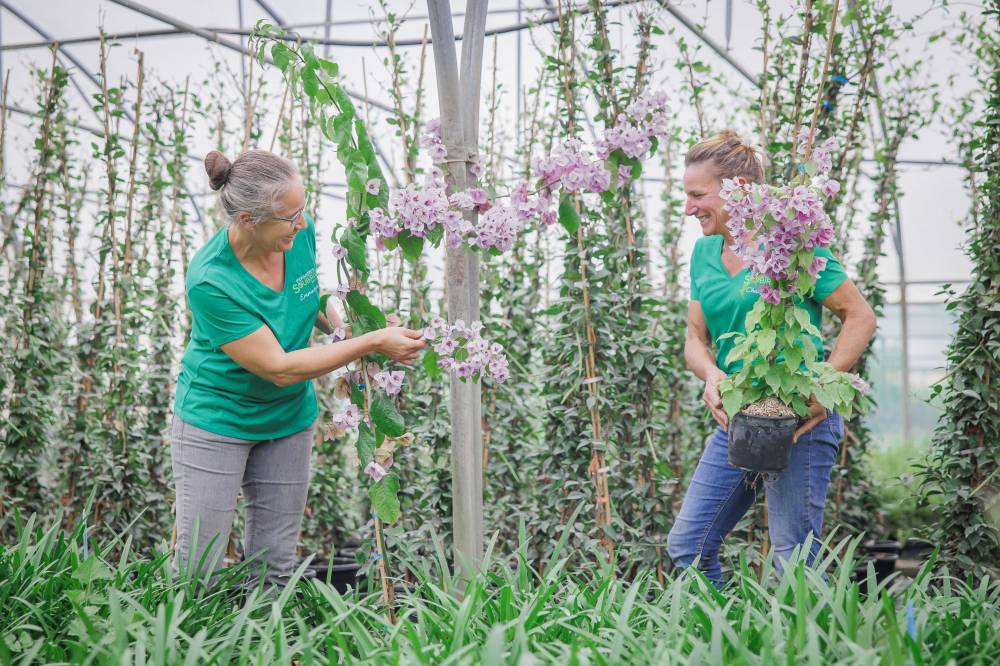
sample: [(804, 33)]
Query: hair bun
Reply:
[(218, 169), (732, 137)]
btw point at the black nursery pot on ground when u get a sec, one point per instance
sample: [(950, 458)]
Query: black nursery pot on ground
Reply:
[(761, 443)]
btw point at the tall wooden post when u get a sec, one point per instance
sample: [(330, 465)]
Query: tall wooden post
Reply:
[(458, 100)]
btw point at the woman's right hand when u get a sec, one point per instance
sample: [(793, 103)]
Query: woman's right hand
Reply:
[(399, 343), (713, 398)]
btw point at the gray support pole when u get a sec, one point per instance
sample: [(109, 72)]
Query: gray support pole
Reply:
[(458, 100), (904, 326), (326, 28), (904, 314), (243, 62)]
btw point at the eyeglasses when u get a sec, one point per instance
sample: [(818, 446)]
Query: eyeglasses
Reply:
[(294, 218)]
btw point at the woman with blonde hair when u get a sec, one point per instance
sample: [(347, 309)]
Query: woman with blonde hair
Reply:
[(722, 293)]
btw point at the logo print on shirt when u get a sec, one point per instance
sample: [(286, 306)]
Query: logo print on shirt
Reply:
[(751, 284), (305, 285)]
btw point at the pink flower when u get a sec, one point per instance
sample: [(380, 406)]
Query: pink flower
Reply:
[(478, 195), (860, 384), (624, 173), (348, 419), (816, 267), (438, 152), (462, 200), (376, 471), (339, 251), (830, 188), (342, 291), (380, 225), (339, 334), (769, 294), (390, 382), (372, 186)]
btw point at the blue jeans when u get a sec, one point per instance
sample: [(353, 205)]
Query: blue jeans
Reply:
[(720, 494)]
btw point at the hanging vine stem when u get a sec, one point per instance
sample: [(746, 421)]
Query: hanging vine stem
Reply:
[(598, 467), (355, 152)]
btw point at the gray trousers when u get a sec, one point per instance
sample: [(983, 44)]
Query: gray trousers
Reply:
[(209, 471)]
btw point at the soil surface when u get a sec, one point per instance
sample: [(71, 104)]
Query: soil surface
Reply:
[(769, 406)]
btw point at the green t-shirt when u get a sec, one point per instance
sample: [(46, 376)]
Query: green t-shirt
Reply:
[(725, 307), (228, 303)]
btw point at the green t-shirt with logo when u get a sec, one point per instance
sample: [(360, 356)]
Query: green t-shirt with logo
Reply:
[(228, 303), (725, 304)]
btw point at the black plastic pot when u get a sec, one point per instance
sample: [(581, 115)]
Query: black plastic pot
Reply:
[(761, 443), (342, 574)]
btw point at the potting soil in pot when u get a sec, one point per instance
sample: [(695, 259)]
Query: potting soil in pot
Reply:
[(769, 406)]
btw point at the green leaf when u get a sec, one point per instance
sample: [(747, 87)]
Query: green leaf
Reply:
[(753, 317), (732, 401), (365, 445), (568, 217), (357, 171), (802, 317), (310, 83), (281, 55), (765, 341), (435, 235), (412, 246), (385, 417), (773, 377), (330, 67), (793, 358), (370, 318), (385, 498), (355, 246), (91, 569), (430, 363)]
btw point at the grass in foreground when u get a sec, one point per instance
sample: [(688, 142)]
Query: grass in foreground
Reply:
[(60, 605)]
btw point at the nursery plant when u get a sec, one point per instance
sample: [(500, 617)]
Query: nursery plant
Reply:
[(781, 232)]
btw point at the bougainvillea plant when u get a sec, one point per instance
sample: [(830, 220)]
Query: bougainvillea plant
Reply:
[(409, 217), (776, 230), (370, 385)]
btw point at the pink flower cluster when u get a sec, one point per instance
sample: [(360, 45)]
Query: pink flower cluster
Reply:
[(431, 140), (417, 210), (572, 169), (770, 225), (420, 211), (474, 198), (569, 168), (389, 381), (643, 120), (347, 419), (462, 350)]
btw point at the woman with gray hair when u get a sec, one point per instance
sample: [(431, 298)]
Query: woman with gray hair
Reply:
[(245, 407)]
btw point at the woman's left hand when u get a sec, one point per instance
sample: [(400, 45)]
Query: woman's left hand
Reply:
[(817, 414)]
